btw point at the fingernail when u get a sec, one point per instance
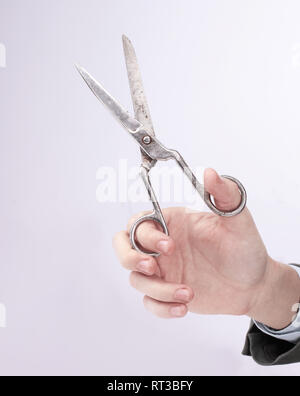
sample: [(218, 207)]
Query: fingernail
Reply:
[(182, 295), (145, 266), (178, 311), (163, 246)]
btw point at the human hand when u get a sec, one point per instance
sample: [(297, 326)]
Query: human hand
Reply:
[(209, 264)]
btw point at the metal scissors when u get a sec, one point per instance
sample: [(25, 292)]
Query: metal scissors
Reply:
[(141, 129)]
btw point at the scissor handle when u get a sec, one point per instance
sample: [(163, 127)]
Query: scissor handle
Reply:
[(206, 196), (154, 216), (230, 213)]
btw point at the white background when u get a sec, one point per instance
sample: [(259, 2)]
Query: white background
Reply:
[(222, 80)]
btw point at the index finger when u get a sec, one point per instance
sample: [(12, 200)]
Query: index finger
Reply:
[(150, 236)]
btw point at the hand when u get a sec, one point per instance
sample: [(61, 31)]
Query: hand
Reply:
[(210, 264)]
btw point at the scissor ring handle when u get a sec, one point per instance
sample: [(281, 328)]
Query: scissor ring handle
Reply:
[(230, 213), (151, 217)]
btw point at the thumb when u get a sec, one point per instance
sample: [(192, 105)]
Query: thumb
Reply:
[(225, 192)]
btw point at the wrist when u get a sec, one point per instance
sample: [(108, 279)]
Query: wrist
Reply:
[(278, 292)]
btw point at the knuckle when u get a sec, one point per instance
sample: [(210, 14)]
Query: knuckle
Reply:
[(124, 263), (133, 279), (116, 238), (135, 217), (129, 259), (132, 220), (146, 302), (151, 307)]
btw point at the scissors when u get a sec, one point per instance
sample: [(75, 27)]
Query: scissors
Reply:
[(141, 129)]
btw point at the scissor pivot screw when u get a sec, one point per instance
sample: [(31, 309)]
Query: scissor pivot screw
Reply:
[(146, 139)]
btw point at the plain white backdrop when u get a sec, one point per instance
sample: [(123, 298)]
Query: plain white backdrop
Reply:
[(223, 84)]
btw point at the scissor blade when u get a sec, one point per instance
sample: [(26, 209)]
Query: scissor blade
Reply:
[(128, 122), (140, 105)]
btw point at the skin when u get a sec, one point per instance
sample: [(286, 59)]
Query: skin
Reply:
[(210, 264)]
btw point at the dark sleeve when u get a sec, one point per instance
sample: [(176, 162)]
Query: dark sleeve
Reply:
[(270, 351)]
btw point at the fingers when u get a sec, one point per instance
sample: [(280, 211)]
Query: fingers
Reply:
[(130, 259), (151, 238), (165, 310), (163, 299), (225, 192), (160, 290)]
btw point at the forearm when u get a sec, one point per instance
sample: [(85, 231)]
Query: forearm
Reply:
[(279, 292)]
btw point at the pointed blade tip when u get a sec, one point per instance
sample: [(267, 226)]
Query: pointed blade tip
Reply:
[(127, 44), (84, 74), (125, 38), (79, 68)]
